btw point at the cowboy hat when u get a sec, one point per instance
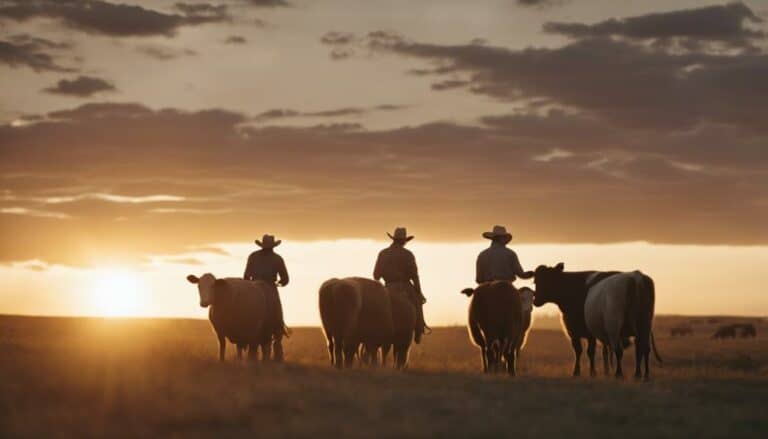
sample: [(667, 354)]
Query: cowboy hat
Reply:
[(400, 235), (498, 231), (268, 241)]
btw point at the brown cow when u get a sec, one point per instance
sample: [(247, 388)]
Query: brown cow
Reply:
[(237, 310), (355, 311), (496, 324), (404, 319)]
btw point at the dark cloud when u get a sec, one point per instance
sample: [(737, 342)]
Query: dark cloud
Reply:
[(109, 175), (631, 84), (164, 53), (82, 86), (341, 43), (113, 19), (268, 3), (235, 39), (334, 38), (338, 53), (541, 3), (449, 84), (32, 52), (336, 112), (725, 23)]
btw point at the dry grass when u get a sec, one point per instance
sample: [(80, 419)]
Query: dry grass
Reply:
[(128, 378)]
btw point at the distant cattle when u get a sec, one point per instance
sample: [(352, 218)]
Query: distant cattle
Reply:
[(239, 312), (355, 311), (748, 330), (743, 330), (681, 330), (497, 324), (609, 306), (725, 331)]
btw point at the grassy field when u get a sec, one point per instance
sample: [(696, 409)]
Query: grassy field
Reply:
[(127, 378)]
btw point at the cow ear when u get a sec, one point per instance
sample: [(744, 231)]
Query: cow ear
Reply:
[(468, 292), (193, 279), (560, 266)]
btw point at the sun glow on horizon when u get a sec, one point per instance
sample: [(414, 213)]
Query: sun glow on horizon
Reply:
[(118, 292)]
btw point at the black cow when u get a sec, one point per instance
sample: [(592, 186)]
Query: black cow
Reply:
[(568, 290)]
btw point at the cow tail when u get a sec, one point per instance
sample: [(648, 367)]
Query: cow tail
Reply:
[(655, 351)]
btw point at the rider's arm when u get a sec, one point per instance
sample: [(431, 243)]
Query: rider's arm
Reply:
[(518, 269), (480, 275), (246, 274), (377, 268), (283, 272), (414, 273)]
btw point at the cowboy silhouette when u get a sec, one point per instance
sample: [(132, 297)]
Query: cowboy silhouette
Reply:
[(397, 266), (498, 262), (266, 265)]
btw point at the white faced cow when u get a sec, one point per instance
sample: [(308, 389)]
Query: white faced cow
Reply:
[(237, 309)]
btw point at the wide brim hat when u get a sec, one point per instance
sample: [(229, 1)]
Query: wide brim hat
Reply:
[(268, 241), (498, 232), (400, 235)]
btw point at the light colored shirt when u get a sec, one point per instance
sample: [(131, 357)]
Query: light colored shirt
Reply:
[(497, 262)]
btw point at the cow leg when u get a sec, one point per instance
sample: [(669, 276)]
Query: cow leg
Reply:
[(277, 349), (490, 368), (483, 356), (339, 353), (577, 349), (330, 350), (239, 352), (222, 347), (349, 353), (384, 352), (619, 355), (373, 354), (646, 358), (511, 362), (591, 349), (253, 351), (606, 360), (404, 356), (639, 356), (266, 351)]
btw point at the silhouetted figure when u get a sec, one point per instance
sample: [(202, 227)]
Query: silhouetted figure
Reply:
[(266, 265), (397, 266), (498, 262)]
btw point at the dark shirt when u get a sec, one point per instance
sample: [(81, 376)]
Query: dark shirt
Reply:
[(498, 262), (266, 265), (397, 264)]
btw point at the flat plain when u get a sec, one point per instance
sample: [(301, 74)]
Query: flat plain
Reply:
[(85, 377)]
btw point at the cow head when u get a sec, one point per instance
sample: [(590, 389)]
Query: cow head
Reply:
[(526, 299), (205, 285), (547, 280)]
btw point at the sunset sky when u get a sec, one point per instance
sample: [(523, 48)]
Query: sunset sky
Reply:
[(143, 141)]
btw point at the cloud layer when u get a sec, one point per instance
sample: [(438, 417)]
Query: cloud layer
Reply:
[(113, 19), (649, 128), (82, 86)]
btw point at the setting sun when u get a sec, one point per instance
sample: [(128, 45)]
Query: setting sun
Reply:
[(117, 293)]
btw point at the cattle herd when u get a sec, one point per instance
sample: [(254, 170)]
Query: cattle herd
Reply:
[(363, 320)]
